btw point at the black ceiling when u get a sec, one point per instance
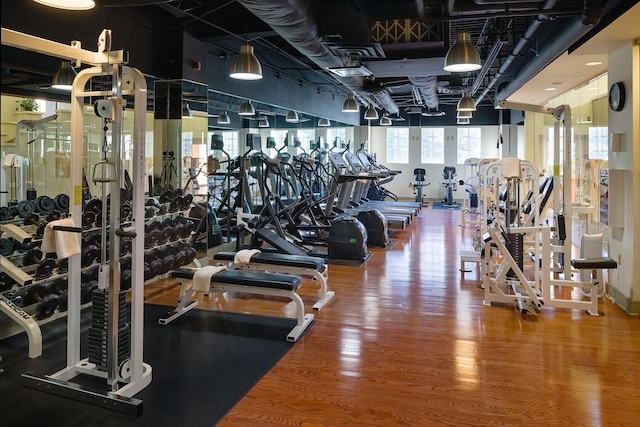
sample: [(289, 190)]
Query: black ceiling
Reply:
[(403, 42)]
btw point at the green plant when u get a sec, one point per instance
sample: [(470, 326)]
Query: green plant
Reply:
[(28, 104)]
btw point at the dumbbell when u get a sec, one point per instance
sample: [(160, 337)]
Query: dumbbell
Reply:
[(46, 303), (6, 282), (86, 291), (5, 213), (45, 265), (126, 244), (61, 202), (190, 255), (125, 211), (154, 260), (6, 246), (151, 234), (89, 275), (24, 208), (44, 204), (88, 254), (33, 219), (59, 287), (187, 229), (187, 199)]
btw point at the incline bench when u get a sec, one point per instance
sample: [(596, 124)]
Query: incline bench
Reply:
[(243, 282), (298, 265)]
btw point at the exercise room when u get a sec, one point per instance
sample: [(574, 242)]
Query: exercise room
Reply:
[(319, 213)]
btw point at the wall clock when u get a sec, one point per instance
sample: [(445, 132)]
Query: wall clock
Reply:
[(616, 96)]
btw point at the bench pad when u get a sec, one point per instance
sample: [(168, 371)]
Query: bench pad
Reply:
[(299, 261), (594, 263), (247, 278)]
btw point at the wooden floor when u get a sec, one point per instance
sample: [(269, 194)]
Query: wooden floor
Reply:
[(408, 342)]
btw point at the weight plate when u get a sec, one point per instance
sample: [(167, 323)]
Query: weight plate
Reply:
[(32, 219), (32, 257), (156, 267), (5, 214), (187, 229), (147, 272), (53, 215), (45, 268), (89, 275), (177, 193), (166, 196), (47, 307), (125, 280), (94, 205), (6, 282), (58, 286), (61, 202), (167, 263), (88, 219), (126, 245), (125, 263), (44, 204), (25, 208), (163, 209), (40, 229), (150, 212), (62, 301), (125, 211), (88, 255), (6, 247), (179, 259), (34, 294), (187, 199), (190, 255), (175, 204), (87, 290), (63, 265), (95, 239)]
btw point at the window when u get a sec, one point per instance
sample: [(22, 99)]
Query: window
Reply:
[(230, 143), (398, 145), (305, 136), (598, 143), (469, 143), (432, 145)]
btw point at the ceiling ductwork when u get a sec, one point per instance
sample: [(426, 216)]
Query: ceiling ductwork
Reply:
[(428, 88), (293, 21)]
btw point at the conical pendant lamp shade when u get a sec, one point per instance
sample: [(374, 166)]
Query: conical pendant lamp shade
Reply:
[(466, 103), (223, 118), (246, 66), (350, 105), (462, 56), (246, 109), (64, 77)]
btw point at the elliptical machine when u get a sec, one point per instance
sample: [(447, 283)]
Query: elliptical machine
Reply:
[(419, 182), (450, 185)]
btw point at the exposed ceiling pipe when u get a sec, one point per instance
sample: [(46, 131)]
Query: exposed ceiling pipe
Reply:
[(292, 20), (592, 13), (428, 89)]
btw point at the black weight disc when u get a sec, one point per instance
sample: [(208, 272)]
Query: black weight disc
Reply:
[(187, 229), (32, 219), (177, 193), (95, 239), (94, 205), (58, 286), (125, 245), (88, 255), (147, 272), (25, 208), (163, 209), (125, 280), (179, 259), (5, 214), (167, 263), (6, 247), (40, 229), (61, 202), (156, 267), (187, 199), (47, 307), (6, 282), (125, 211), (32, 257), (90, 275), (88, 219), (63, 265), (190, 255), (150, 212), (63, 301), (53, 215), (45, 268), (33, 295), (174, 205), (87, 290), (125, 263), (44, 204), (166, 196)]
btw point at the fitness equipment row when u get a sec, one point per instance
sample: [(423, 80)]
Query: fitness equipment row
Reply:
[(42, 205)]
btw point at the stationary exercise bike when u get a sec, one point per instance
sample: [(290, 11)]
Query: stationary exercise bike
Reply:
[(450, 185), (419, 182)]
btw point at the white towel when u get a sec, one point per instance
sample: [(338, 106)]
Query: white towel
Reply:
[(8, 160), (63, 243), (244, 256), (202, 277)]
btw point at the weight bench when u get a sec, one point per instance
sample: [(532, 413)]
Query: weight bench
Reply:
[(256, 283), (297, 265), (594, 264)]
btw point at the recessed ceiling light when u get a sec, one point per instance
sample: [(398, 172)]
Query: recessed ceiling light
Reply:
[(550, 88), (593, 63)]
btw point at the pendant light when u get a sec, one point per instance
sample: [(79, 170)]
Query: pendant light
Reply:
[(462, 56), (323, 122), (292, 117), (385, 121), (264, 122), (350, 105), (69, 4), (63, 79), (466, 103), (186, 111), (464, 114), (246, 66), (223, 118), (371, 113), (246, 109)]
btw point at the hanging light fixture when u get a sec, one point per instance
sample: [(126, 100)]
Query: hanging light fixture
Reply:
[(246, 66), (464, 114), (323, 122), (246, 109), (63, 79), (223, 118), (371, 113), (186, 111), (350, 105), (466, 103), (292, 117), (264, 122), (385, 121), (463, 121), (462, 56), (69, 4)]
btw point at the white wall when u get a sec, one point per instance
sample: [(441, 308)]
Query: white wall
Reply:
[(435, 191)]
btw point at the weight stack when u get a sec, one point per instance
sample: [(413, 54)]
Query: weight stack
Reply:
[(376, 225), (347, 239), (98, 334), (515, 245)]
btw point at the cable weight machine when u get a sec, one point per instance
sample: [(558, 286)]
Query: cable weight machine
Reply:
[(121, 366)]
